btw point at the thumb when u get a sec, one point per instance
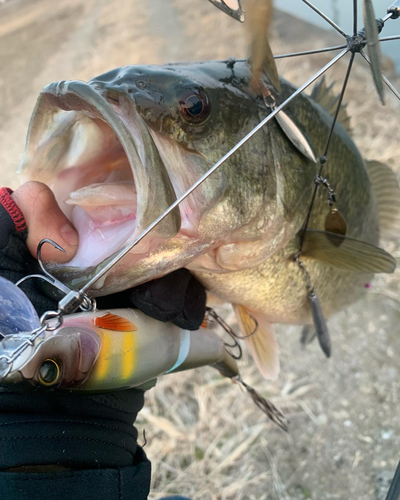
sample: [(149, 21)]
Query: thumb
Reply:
[(45, 219)]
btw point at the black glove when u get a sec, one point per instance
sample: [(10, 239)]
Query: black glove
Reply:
[(177, 297), (93, 436)]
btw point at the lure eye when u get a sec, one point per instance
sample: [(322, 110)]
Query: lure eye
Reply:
[(195, 106), (49, 372)]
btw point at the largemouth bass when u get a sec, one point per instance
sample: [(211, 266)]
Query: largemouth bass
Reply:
[(117, 151)]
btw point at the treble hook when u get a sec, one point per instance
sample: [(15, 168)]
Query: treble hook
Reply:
[(87, 303), (231, 332), (48, 278), (228, 328)]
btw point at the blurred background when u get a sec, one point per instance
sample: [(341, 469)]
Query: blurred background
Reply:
[(205, 439)]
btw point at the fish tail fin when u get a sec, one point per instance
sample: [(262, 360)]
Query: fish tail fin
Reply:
[(262, 345), (387, 194)]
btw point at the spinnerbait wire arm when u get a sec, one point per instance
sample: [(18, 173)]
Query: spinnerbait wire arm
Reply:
[(385, 80), (355, 14), (389, 38), (327, 19), (310, 52), (107, 267), (323, 158)]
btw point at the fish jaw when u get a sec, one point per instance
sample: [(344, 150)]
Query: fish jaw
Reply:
[(106, 172), (55, 155)]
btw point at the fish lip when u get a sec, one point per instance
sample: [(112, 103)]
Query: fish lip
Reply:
[(76, 95)]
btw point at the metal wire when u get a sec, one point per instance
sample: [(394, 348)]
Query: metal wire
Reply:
[(324, 157), (387, 82), (324, 16), (389, 38), (355, 13), (309, 52), (387, 17)]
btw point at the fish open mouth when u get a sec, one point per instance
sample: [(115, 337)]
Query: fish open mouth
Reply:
[(99, 158)]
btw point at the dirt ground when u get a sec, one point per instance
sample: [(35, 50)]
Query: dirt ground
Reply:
[(205, 438)]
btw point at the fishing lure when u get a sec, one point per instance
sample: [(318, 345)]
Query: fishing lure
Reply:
[(106, 350)]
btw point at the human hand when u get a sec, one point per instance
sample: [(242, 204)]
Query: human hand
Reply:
[(55, 431)]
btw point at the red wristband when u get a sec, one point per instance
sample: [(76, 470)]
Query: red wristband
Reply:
[(12, 208)]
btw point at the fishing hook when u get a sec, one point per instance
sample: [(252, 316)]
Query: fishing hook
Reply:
[(228, 328), (87, 304), (211, 312), (231, 332)]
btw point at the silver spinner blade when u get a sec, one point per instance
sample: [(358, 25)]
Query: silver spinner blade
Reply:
[(374, 48)]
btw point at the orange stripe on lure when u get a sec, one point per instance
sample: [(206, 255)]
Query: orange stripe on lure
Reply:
[(113, 322)]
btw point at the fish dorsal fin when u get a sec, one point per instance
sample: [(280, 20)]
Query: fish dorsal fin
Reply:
[(327, 99), (387, 193), (114, 322), (262, 345), (347, 253)]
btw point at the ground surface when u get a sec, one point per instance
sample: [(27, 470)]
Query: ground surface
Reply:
[(205, 438)]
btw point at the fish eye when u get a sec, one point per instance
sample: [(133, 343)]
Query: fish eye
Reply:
[(49, 372), (195, 106)]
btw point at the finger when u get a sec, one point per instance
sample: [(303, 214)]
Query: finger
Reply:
[(45, 219)]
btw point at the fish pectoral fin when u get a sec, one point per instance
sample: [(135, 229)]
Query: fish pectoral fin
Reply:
[(261, 343), (387, 194), (347, 253), (114, 322)]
